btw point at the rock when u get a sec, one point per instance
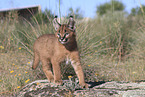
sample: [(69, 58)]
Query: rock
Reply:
[(116, 89), (42, 88)]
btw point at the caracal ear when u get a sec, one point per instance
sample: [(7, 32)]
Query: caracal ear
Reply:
[(71, 23), (56, 25)]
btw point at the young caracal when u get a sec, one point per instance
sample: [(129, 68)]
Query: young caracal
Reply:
[(55, 48)]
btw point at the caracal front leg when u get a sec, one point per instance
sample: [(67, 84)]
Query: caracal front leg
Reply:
[(47, 69), (78, 68), (56, 71)]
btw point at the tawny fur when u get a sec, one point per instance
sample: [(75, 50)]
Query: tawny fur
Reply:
[(48, 49)]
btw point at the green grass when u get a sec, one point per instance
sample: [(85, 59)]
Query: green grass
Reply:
[(111, 47)]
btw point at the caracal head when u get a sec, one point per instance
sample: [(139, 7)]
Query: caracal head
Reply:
[(64, 32)]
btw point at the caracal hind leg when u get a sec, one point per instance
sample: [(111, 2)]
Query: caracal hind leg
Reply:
[(78, 69), (47, 69), (57, 72), (35, 60)]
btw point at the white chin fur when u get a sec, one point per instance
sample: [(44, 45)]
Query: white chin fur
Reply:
[(63, 42)]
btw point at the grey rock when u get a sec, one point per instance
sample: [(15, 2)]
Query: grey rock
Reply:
[(42, 88)]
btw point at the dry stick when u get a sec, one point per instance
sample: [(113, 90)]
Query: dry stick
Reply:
[(59, 11)]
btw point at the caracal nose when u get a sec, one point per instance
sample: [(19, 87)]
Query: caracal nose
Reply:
[(61, 39)]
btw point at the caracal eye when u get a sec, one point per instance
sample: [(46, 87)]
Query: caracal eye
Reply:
[(67, 34), (58, 35)]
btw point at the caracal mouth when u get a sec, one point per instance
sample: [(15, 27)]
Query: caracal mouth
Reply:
[(65, 41)]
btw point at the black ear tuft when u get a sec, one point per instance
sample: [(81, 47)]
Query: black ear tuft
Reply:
[(55, 16), (55, 23), (71, 23), (70, 16)]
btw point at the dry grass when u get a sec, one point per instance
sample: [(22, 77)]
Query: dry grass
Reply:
[(16, 72)]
